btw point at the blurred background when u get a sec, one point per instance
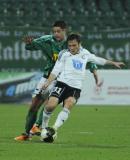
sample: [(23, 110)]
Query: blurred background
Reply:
[(103, 24), (83, 15)]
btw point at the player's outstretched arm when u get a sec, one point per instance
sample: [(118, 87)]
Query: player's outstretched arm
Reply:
[(34, 43), (102, 61)]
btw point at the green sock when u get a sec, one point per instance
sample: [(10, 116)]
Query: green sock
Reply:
[(39, 119), (30, 120)]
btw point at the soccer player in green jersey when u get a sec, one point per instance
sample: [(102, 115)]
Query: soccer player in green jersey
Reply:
[(50, 45)]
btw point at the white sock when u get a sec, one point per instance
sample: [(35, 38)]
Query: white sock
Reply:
[(61, 118), (46, 118)]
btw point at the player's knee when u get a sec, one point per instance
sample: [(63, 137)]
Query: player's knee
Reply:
[(50, 107)]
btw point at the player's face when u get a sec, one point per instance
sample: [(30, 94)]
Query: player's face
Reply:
[(73, 46), (59, 33)]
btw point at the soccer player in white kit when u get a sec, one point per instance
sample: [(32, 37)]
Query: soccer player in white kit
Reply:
[(70, 71)]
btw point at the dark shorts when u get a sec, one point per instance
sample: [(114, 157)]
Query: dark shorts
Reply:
[(62, 91)]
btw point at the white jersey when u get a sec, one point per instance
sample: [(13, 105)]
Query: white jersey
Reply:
[(70, 69)]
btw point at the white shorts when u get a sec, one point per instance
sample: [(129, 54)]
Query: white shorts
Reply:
[(44, 93)]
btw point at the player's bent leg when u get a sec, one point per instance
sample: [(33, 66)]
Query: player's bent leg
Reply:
[(39, 119), (64, 114), (49, 134), (36, 129), (32, 113), (50, 106), (30, 119)]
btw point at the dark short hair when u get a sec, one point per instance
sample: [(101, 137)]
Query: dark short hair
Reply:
[(74, 36), (60, 24)]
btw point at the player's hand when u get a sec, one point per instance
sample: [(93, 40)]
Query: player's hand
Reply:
[(118, 64), (28, 39)]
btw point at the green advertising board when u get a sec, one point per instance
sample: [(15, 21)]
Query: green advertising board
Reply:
[(13, 55), (114, 45)]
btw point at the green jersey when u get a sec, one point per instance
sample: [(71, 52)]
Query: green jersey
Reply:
[(51, 48)]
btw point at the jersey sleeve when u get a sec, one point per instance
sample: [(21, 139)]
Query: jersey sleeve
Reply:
[(38, 43), (97, 60), (91, 66)]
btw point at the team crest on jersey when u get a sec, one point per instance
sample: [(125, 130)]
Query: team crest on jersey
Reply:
[(54, 57), (84, 56), (77, 64)]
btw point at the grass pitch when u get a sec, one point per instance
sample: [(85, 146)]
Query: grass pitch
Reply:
[(91, 133)]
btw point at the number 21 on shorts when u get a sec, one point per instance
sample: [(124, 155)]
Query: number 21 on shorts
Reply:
[(58, 90)]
